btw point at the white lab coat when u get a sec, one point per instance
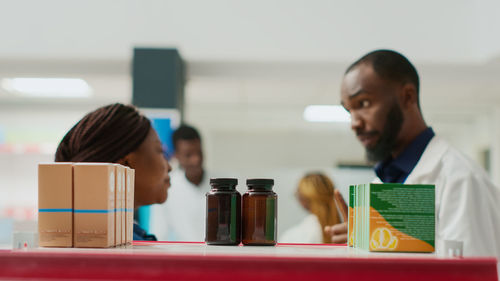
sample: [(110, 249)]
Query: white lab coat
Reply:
[(467, 202), (182, 216), (307, 231)]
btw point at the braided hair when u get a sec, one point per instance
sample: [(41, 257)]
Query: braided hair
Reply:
[(106, 134)]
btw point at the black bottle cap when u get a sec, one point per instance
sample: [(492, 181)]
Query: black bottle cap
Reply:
[(223, 181), (261, 182)]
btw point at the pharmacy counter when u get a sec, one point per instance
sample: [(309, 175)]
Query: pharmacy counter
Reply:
[(197, 261)]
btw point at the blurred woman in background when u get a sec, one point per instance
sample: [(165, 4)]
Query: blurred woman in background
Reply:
[(315, 193), (118, 133)]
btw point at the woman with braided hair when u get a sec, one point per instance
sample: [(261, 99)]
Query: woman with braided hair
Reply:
[(118, 133)]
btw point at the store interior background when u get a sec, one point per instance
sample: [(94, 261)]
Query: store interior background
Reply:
[(252, 68)]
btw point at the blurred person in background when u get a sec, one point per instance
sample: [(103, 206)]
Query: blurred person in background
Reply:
[(381, 93), (315, 194), (182, 218), (118, 133)]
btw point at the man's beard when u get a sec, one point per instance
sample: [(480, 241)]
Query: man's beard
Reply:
[(384, 146)]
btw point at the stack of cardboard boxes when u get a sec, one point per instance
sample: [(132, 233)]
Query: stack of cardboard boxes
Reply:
[(85, 205)]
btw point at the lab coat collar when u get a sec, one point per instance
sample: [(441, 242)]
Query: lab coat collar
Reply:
[(433, 153), (430, 159)]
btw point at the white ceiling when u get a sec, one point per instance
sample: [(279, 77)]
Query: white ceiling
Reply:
[(280, 30)]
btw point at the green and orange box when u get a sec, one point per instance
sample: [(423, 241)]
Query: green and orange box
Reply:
[(392, 217)]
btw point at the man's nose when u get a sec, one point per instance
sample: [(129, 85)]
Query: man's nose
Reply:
[(356, 121)]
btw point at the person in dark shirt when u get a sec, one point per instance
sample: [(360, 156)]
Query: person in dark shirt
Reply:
[(118, 133), (381, 93)]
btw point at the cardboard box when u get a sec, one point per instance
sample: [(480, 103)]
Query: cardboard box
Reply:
[(129, 205), (55, 203), (394, 217), (94, 205), (350, 232), (120, 173), (123, 210)]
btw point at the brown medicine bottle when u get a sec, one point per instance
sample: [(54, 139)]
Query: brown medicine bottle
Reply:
[(223, 219), (259, 213)]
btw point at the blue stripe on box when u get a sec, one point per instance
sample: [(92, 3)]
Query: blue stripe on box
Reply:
[(54, 210), (94, 211)]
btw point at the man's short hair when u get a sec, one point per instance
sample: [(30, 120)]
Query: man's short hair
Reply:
[(390, 65), (185, 132)]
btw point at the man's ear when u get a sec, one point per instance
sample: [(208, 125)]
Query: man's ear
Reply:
[(409, 96)]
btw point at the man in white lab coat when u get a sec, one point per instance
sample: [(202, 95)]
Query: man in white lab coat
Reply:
[(182, 217), (381, 92)]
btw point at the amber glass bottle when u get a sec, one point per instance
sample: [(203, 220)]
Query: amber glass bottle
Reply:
[(259, 213), (223, 221)]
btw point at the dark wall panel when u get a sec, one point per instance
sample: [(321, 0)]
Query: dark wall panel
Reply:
[(158, 78)]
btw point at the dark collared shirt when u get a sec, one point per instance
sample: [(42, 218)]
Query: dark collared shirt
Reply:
[(141, 234), (397, 170)]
